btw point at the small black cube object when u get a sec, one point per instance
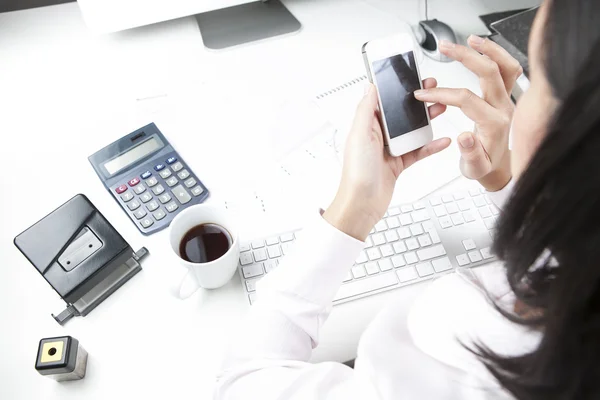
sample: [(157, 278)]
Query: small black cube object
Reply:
[(61, 358)]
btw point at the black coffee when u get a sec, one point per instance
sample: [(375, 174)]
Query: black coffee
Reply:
[(205, 243)]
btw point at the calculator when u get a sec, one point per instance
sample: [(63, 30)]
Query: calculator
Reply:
[(148, 178)]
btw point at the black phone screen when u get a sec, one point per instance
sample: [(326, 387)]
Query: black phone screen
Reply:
[(397, 79)]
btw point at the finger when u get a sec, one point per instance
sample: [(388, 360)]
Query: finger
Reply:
[(510, 68), (428, 150), (429, 83), (487, 70), (473, 106), (363, 118), (436, 110), (474, 161)]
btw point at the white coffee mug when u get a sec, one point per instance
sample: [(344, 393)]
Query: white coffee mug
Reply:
[(209, 275)]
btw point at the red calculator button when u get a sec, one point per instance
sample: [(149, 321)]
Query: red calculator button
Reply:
[(121, 189), (134, 181)]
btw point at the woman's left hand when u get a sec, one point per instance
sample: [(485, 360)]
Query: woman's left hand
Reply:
[(369, 174)]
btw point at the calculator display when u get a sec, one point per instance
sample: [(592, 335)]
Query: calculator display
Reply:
[(131, 156)]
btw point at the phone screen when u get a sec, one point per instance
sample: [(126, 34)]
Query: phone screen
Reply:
[(397, 79)]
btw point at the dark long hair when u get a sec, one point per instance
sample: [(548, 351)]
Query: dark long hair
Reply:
[(553, 221)]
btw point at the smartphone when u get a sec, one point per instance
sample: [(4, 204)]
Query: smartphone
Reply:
[(392, 67)]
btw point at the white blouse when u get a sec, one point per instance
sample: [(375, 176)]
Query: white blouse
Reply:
[(420, 357)]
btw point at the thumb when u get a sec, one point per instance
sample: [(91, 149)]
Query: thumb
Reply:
[(474, 161), (366, 108)]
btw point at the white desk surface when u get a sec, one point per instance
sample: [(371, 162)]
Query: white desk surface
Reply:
[(65, 93)]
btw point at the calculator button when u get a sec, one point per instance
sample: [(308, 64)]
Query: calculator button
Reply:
[(146, 197), (183, 174), (172, 206), (171, 160), (151, 182), (134, 182), (165, 174), (121, 189), (159, 167), (153, 205), (160, 214), (164, 198), (197, 191), (139, 189), (157, 190), (146, 222), (190, 182), (181, 194), (134, 205), (176, 167), (172, 181), (146, 175), (140, 213), (126, 196)]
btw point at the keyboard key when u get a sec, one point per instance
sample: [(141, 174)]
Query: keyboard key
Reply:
[(171, 160), (475, 256), (171, 207), (251, 285), (494, 209), (469, 244), (398, 261), (159, 167), (428, 225), (487, 199), (489, 223), (462, 260), (452, 208), (407, 274), (260, 255), (152, 182), (140, 213), (393, 222), (445, 222), (412, 244), (368, 242), (464, 204), (391, 236), (272, 240), (139, 189), (197, 191), (485, 212), (399, 247), (362, 258), (442, 264), (165, 173), (416, 229), (172, 181), (181, 194), (420, 216), (146, 222), (177, 167), (404, 233), (486, 253), (153, 205), (405, 219), (381, 226), (406, 208), (183, 174), (274, 251), (286, 247), (134, 182), (431, 252), (440, 210), (419, 205), (385, 265), (358, 272), (146, 175), (252, 298), (126, 196), (424, 240), (362, 286), (158, 190), (394, 211), (164, 198), (435, 201), (469, 216), (372, 268), (374, 254), (134, 205), (474, 192), (191, 182), (244, 247), (447, 198), (411, 258), (378, 239), (424, 269), (158, 215), (348, 277), (287, 237), (146, 197), (457, 219), (246, 258), (257, 244), (386, 250), (479, 201), (253, 270), (459, 195), (270, 265)]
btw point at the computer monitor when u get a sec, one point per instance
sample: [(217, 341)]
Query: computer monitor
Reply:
[(223, 23)]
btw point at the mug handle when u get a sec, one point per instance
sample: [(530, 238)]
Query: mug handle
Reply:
[(188, 286)]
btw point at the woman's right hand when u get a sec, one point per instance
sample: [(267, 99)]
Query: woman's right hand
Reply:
[(484, 153)]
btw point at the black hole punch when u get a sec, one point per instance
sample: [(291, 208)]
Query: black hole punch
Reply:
[(68, 262), (52, 351), (91, 245)]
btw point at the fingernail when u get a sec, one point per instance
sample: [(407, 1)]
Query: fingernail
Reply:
[(476, 40), (445, 44), (420, 93), (466, 141)]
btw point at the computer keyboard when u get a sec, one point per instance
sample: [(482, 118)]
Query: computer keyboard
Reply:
[(412, 243)]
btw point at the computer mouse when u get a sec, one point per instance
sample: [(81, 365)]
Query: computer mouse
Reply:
[(430, 35)]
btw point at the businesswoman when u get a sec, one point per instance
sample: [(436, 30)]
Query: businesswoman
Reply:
[(534, 333)]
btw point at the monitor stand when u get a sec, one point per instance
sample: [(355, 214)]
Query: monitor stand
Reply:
[(245, 23)]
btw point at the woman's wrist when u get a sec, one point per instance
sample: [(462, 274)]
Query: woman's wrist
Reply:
[(348, 216), (499, 178)]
